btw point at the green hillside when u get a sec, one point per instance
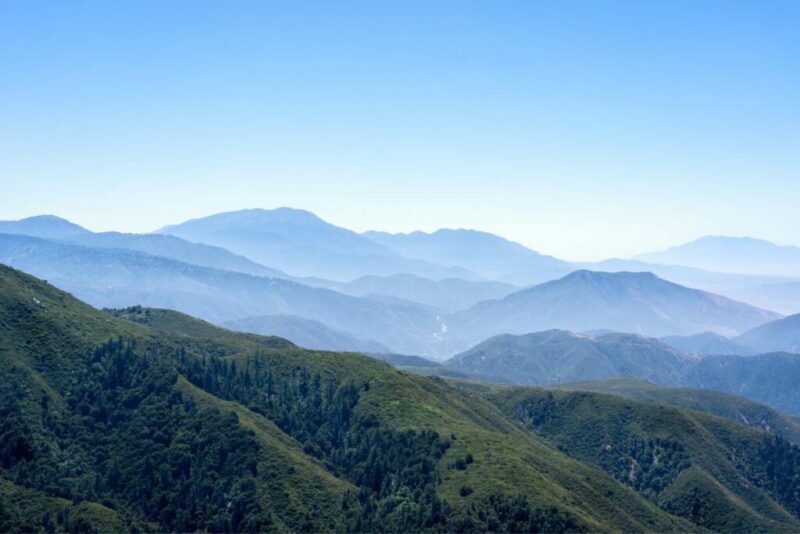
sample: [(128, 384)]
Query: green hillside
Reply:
[(155, 421), (725, 405), (706, 469), (555, 356)]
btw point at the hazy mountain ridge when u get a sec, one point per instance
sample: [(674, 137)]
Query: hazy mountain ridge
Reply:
[(707, 343), (552, 357), (780, 335), (430, 312), (449, 294), (744, 255), (302, 244), (111, 278), (639, 303), (263, 427), (306, 333), (555, 356), (56, 228), (48, 226), (487, 254), (771, 292)]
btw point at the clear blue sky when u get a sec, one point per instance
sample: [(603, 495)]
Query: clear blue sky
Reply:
[(583, 129)]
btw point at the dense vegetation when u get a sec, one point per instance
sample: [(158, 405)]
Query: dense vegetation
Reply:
[(557, 357), (735, 408), (153, 421), (150, 420), (679, 460)]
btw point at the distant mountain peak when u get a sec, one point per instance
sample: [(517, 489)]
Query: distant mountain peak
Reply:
[(586, 274), (301, 243), (47, 226), (638, 302), (489, 255), (728, 254), (253, 217)]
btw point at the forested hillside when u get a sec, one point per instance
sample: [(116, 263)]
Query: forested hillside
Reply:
[(159, 422), (714, 473)]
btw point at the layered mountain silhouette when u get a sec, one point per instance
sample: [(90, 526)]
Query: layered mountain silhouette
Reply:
[(772, 292), (783, 297), (780, 335), (732, 407), (706, 343), (639, 303), (449, 294), (555, 356), (486, 254), (117, 278), (302, 244), (55, 228), (767, 378), (742, 255), (43, 226), (306, 333), (149, 404), (415, 306)]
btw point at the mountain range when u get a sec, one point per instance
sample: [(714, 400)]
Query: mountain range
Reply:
[(732, 407), (639, 303), (489, 255), (708, 343), (681, 460), (554, 357), (140, 420), (118, 278), (307, 333), (395, 312), (742, 255), (781, 335), (332, 257), (448, 295), (302, 244)]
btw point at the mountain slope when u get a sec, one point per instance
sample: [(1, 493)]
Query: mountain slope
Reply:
[(552, 357), (782, 335), (73, 402), (556, 356), (449, 294), (487, 254), (178, 249), (640, 303), (48, 226), (306, 333), (715, 473), (54, 228), (767, 378), (772, 292), (149, 417), (741, 255), (706, 343), (783, 297), (737, 409), (112, 278), (302, 244)]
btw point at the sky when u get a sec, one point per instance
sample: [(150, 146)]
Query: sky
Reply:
[(583, 129)]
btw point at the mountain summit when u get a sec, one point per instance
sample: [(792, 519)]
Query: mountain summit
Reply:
[(47, 226), (641, 303), (299, 242), (487, 254)]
